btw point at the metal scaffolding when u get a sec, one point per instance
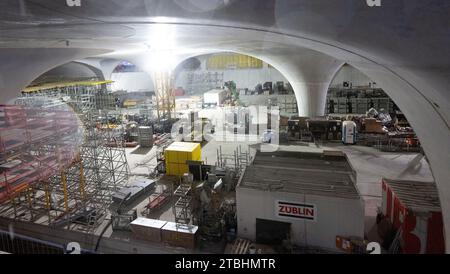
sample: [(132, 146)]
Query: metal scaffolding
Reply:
[(56, 165), (36, 143), (104, 165), (236, 161), (182, 209), (82, 96)]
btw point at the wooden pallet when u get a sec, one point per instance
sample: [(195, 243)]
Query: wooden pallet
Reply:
[(240, 246)]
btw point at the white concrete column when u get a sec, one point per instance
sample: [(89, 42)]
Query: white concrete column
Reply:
[(311, 97), (310, 73)]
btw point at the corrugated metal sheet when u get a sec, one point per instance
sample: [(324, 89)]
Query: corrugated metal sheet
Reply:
[(414, 207), (419, 196), (309, 173)]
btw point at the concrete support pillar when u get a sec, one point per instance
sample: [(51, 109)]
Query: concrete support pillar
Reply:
[(311, 98), (310, 73)]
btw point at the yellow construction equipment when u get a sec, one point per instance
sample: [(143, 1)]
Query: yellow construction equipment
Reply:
[(178, 153)]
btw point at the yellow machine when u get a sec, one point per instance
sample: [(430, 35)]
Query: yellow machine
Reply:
[(178, 153)]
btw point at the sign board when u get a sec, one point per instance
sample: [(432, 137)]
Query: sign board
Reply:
[(295, 210)]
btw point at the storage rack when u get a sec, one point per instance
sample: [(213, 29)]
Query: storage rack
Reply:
[(203, 81), (360, 105)]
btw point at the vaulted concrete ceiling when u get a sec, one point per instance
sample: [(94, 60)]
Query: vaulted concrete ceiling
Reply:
[(404, 46)]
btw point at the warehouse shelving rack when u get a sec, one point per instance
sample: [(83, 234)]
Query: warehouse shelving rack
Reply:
[(203, 81)]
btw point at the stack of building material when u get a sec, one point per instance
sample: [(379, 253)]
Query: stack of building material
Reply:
[(148, 229), (181, 235), (414, 209), (156, 200), (373, 125), (145, 136), (136, 189), (177, 154), (121, 221)]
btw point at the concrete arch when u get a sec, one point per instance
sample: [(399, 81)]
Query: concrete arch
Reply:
[(31, 63), (103, 66), (310, 81), (98, 72), (141, 79), (69, 71), (106, 67)]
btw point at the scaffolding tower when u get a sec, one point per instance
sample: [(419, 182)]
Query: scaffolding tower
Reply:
[(108, 162), (182, 209), (165, 98), (36, 143), (57, 166), (236, 161)]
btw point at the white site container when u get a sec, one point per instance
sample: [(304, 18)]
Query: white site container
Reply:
[(214, 96), (337, 206)]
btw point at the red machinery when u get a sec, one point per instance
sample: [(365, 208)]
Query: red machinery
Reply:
[(414, 209), (157, 200)]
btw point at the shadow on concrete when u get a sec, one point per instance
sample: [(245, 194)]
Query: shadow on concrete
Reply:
[(141, 150)]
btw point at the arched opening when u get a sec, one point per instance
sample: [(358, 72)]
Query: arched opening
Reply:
[(351, 92), (222, 88), (385, 149), (250, 76), (128, 77), (69, 72), (131, 85)]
